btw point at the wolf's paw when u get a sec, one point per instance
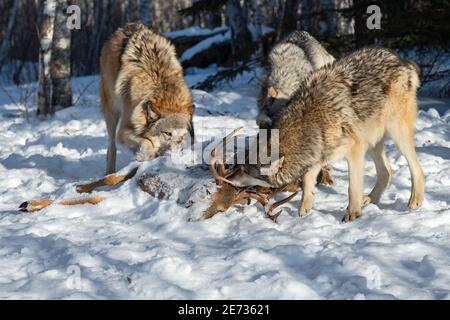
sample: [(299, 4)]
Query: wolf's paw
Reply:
[(351, 215), (305, 206), (415, 201), (366, 200), (372, 197)]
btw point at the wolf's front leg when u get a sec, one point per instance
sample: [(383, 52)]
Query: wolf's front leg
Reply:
[(355, 160), (309, 185)]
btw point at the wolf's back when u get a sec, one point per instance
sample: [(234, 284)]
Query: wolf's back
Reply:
[(146, 56), (313, 50)]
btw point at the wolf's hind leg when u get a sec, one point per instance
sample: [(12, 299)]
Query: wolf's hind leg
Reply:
[(384, 173), (403, 135)]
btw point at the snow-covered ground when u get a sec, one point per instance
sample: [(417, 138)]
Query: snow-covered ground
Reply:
[(134, 246)]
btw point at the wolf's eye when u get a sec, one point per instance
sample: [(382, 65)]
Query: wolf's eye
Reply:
[(167, 134)]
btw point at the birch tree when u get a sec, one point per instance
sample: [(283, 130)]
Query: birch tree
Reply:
[(240, 35), (4, 48), (60, 66), (45, 55)]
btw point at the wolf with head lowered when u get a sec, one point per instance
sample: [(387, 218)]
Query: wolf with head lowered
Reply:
[(143, 91), (340, 111)]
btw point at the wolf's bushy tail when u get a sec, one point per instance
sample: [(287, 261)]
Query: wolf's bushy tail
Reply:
[(415, 73)]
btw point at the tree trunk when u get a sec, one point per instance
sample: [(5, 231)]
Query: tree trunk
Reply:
[(312, 13), (246, 10), (4, 48), (361, 34), (257, 6), (213, 20), (240, 34), (45, 55), (60, 68), (124, 12), (341, 25), (101, 11), (288, 21), (146, 12)]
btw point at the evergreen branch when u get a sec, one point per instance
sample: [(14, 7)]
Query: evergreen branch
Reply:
[(227, 75)]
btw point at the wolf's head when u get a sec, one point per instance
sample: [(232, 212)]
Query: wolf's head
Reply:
[(273, 102), (254, 166), (162, 129), (256, 174)]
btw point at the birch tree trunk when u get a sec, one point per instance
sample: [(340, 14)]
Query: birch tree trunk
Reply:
[(60, 68), (45, 56), (146, 12), (240, 35), (6, 35)]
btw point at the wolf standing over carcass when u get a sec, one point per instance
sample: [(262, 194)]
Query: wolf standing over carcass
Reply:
[(341, 111), (142, 88)]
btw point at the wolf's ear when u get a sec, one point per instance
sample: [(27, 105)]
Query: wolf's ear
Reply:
[(143, 115), (151, 115), (278, 163), (271, 92)]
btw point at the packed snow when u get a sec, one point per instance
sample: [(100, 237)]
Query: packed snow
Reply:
[(134, 246)]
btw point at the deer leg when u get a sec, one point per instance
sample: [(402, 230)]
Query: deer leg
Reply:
[(110, 180), (33, 206)]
